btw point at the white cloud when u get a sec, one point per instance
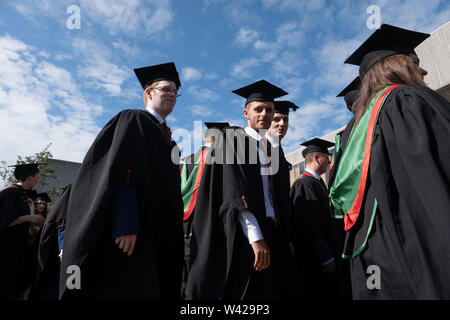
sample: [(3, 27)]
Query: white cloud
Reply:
[(245, 36), (132, 17), (41, 103), (201, 110), (308, 121), (330, 57), (189, 73), (290, 35), (200, 93), (242, 69), (128, 50), (97, 70)]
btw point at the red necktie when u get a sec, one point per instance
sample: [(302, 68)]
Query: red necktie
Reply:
[(167, 132)]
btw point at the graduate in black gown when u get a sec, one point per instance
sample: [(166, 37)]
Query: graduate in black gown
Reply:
[(350, 94), (50, 250), (192, 177), (15, 219), (123, 226), (316, 236), (392, 182), (241, 239)]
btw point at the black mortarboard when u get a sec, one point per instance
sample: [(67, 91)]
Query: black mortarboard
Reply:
[(160, 72), (384, 42), (283, 106), (316, 145), (22, 171), (217, 125), (351, 92), (261, 91), (43, 196)]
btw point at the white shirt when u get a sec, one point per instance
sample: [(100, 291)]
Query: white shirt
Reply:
[(155, 114), (315, 174), (249, 224)]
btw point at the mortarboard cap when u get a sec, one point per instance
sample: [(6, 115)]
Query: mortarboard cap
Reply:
[(22, 171), (217, 125), (351, 92), (160, 72), (316, 145), (43, 196), (283, 106), (261, 91), (384, 42)]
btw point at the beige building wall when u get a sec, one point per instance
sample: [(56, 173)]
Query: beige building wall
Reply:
[(434, 55)]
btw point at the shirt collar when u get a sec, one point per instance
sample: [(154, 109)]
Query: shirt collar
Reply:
[(313, 173), (155, 114), (253, 133)]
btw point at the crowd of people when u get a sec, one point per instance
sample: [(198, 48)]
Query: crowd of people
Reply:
[(226, 223)]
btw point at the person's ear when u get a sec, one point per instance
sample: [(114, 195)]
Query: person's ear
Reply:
[(245, 112), (149, 95)]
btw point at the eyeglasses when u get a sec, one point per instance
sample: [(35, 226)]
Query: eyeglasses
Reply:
[(169, 90)]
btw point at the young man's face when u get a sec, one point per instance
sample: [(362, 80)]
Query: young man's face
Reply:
[(323, 162), (163, 97), (279, 125), (33, 180), (259, 114)]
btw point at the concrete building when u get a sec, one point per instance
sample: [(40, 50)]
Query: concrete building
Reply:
[(65, 173), (434, 55)]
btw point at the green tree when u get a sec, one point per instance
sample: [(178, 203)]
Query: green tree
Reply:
[(46, 171)]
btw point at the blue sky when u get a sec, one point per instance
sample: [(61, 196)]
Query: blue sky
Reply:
[(61, 85)]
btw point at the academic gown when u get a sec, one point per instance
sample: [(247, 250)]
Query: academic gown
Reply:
[(407, 235), (14, 279), (222, 258), (315, 237), (187, 223), (342, 265), (48, 264), (130, 153)]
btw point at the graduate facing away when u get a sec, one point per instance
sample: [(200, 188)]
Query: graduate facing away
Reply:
[(240, 240), (392, 180), (124, 211)]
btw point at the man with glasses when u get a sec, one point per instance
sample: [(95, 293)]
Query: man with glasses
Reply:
[(123, 226)]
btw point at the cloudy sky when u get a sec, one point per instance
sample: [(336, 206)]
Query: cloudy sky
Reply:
[(62, 78)]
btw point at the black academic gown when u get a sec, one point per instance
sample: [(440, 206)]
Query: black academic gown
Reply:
[(130, 150), (222, 258), (187, 224), (315, 237), (14, 279), (342, 265), (409, 176), (48, 266)]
